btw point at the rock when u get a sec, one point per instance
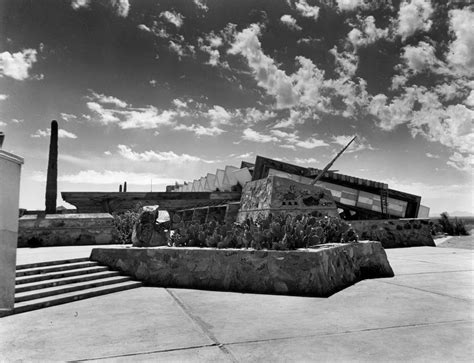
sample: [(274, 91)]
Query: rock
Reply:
[(306, 272), (147, 232)]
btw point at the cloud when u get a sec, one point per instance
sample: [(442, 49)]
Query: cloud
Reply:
[(101, 98), (306, 10), (201, 5), (253, 115), (200, 130), (359, 144), (424, 114), (305, 161), (218, 116), (150, 155), (62, 134), (147, 118), (17, 65), (461, 54), (121, 7), (414, 15), (267, 74), (144, 28), (310, 143), (173, 17), (210, 44), (368, 35), (3, 124), (252, 135), (77, 4), (106, 115), (3, 97), (432, 156), (461, 162), (349, 5), (107, 177), (68, 116), (420, 57), (181, 49), (290, 22)]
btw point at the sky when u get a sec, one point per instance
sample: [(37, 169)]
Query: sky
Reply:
[(154, 92)]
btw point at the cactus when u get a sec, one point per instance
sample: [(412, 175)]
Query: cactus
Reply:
[(125, 187), (52, 176), (120, 188)]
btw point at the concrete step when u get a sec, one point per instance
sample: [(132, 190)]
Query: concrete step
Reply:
[(57, 290), (64, 281), (60, 274), (73, 296), (48, 269), (51, 263)]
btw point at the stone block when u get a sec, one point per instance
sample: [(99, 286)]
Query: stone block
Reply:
[(278, 195), (309, 272), (66, 230), (10, 171), (394, 233)]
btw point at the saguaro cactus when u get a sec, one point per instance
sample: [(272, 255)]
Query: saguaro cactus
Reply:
[(125, 187), (52, 177)]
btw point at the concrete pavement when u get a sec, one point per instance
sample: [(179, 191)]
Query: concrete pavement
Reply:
[(424, 313)]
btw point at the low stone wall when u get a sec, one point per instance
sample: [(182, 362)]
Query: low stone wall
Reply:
[(66, 230), (393, 233), (307, 272)]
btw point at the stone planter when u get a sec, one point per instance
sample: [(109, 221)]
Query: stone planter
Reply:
[(306, 272)]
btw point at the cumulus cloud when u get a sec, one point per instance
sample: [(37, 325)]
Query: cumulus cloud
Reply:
[(147, 118), (201, 5), (3, 124), (306, 10), (111, 100), (359, 144), (310, 143), (349, 5), (252, 135), (290, 22), (3, 97), (306, 161), (461, 50), (62, 134), (414, 15), (253, 115), (218, 116), (68, 116), (307, 87), (104, 177), (77, 4), (200, 130), (425, 115), (121, 7), (150, 155), (265, 71), (210, 44), (173, 17), (181, 49), (17, 65), (106, 116), (368, 35), (419, 57)]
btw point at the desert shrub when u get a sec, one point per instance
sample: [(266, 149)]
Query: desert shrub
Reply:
[(277, 233), (453, 227), (124, 222)]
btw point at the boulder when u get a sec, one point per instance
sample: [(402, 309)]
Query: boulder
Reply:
[(149, 233)]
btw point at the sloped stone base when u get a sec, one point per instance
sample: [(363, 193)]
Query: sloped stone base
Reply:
[(307, 272)]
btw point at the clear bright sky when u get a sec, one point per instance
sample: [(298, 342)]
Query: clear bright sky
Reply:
[(155, 92)]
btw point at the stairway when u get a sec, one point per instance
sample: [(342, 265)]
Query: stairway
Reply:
[(43, 284)]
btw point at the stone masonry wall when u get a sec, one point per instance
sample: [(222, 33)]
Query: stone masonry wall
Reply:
[(312, 272), (66, 230), (393, 233)]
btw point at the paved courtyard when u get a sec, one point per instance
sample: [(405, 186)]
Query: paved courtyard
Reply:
[(424, 313)]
